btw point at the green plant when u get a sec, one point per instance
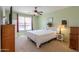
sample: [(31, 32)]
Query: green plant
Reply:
[(49, 24)]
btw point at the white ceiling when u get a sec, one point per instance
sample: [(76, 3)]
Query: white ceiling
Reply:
[(30, 9)]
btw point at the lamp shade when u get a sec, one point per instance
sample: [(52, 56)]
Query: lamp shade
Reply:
[(61, 28)]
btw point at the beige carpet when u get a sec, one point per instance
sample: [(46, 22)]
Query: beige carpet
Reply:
[(22, 44)]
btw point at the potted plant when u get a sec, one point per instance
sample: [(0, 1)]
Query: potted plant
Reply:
[(49, 24)]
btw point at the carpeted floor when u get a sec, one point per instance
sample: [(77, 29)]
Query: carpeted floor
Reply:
[(22, 44)]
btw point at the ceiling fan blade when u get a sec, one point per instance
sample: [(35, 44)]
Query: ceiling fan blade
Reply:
[(41, 11), (35, 9), (40, 14)]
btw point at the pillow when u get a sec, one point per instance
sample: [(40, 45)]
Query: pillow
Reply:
[(53, 29)]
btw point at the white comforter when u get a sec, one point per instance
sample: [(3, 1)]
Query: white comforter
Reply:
[(41, 36)]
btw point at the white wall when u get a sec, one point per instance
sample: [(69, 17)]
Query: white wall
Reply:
[(14, 16), (70, 13), (35, 22)]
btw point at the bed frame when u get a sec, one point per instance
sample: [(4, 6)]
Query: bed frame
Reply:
[(42, 43)]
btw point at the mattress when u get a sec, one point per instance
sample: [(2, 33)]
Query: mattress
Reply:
[(41, 36)]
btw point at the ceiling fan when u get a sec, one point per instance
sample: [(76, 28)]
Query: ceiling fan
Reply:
[(37, 12)]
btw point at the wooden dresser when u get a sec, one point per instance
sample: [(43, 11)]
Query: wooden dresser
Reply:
[(8, 38), (74, 38)]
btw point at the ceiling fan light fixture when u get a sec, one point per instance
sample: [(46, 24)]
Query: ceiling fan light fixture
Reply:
[(36, 12)]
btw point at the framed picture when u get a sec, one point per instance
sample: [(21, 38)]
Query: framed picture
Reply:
[(64, 21)]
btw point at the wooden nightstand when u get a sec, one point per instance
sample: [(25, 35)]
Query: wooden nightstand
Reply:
[(60, 37)]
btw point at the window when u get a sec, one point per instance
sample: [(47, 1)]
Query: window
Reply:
[(28, 23), (21, 23), (25, 23)]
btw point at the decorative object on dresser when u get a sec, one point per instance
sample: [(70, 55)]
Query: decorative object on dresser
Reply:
[(74, 38), (8, 38)]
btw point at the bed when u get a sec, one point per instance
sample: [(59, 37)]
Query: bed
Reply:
[(41, 36)]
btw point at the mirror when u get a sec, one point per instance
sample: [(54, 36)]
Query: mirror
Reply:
[(50, 22)]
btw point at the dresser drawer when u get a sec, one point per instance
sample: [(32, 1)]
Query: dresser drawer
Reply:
[(74, 41), (74, 30), (74, 37), (8, 37)]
